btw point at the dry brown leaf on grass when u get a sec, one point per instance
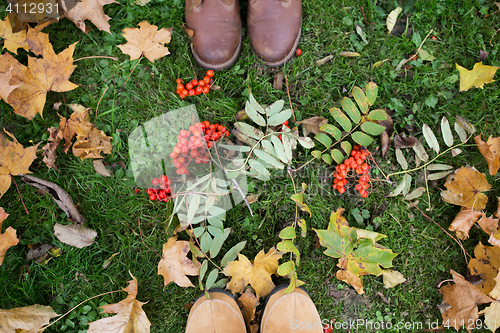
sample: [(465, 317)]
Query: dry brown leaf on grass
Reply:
[(477, 77), (80, 10), (248, 303), (12, 40), (464, 220), (60, 196), (5, 87), (147, 41), (49, 73), (491, 152), (485, 264), (463, 299), (28, 319), (14, 160), (313, 124), (49, 150), (130, 317), (465, 187), (174, 265), (75, 235), (7, 239), (257, 274), (488, 224), (492, 316)]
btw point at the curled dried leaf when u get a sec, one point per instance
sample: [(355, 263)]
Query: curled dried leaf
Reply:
[(313, 124), (401, 141)]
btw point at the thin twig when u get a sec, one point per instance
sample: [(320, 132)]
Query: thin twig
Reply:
[(106, 57), (109, 292), (99, 102), (460, 244), (137, 63), (140, 232), (19, 194), (493, 36), (289, 98), (372, 159)]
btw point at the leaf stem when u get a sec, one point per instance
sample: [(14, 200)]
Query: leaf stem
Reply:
[(20, 196), (137, 63), (142, 240), (106, 57), (289, 98)]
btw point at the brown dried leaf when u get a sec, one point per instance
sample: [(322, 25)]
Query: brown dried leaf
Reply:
[(313, 124), (174, 265), (100, 169), (5, 87), (465, 187), (497, 213), (486, 265), (147, 41), (75, 235), (12, 40), (80, 10), (401, 141), (248, 303), (49, 150), (463, 297), (491, 152), (27, 319), (464, 220), (130, 317), (278, 81), (188, 31), (488, 224)]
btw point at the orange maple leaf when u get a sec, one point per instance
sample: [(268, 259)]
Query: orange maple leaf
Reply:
[(174, 265), (13, 40), (14, 160), (257, 274), (491, 152), (5, 87), (464, 220), (130, 315), (91, 10), (465, 187), (49, 73), (147, 41), (486, 263), (8, 238)]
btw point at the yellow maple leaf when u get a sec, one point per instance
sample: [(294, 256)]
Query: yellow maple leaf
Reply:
[(492, 316), (174, 265), (130, 317), (477, 77), (486, 263), (26, 319), (7, 239), (147, 41), (14, 160), (464, 220), (13, 40), (91, 10), (5, 87), (465, 187), (248, 303), (258, 274), (491, 152)]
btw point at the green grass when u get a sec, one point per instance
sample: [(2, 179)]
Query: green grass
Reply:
[(426, 253)]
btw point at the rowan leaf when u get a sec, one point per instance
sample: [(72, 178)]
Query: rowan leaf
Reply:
[(490, 151), (92, 10), (463, 299), (146, 40), (358, 253), (232, 253), (257, 274), (360, 98), (337, 156), (401, 159), (174, 264), (280, 117), (446, 131), (8, 238), (430, 138), (464, 188), (252, 113), (324, 139), (342, 119), (362, 138), (130, 317), (351, 109), (26, 319), (477, 77), (14, 160), (75, 235), (371, 93)]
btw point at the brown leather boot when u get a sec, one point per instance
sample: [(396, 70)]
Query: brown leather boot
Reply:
[(287, 313), (216, 24), (274, 28), (216, 315)]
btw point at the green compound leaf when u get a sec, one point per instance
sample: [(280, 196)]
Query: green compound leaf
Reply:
[(337, 156), (275, 107), (351, 109), (252, 113), (324, 139), (342, 119), (362, 139), (232, 253), (377, 114), (280, 117), (303, 227), (371, 93), (298, 198), (278, 147), (316, 153), (249, 130), (218, 241), (260, 169), (357, 251), (327, 158), (289, 246), (203, 269), (347, 147), (332, 130), (288, 233), (266, 157), (306, 142), (372, 128), (255, 104), (286, 268), (361, 99), (211, 278)]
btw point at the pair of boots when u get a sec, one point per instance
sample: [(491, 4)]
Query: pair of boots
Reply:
[(282, 313), (274, 28)]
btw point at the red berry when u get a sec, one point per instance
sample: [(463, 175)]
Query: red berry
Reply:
[(163, 179), (210, 73), (201, 83), (206, 90), (227, 134), (179, 81), (206, 79), (137, 190), (152, 197), (285, 123), (359, 187), (434, 38), (149, 191), (192, 92), (298, 52), (216, 136), (185, 92), (341, 189), (364, 194), (189, 86), (182, 96), (194, 82), (155, 181), (198, 90)]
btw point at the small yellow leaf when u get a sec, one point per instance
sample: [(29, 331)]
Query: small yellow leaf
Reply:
[(477, 77), (392, 278), (349, 54), (492, 316), (392, 18)]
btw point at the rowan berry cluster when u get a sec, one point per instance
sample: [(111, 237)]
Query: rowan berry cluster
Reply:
[(356, 163), (193, 143), (195, 87), (160, 190), (281, 135)]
